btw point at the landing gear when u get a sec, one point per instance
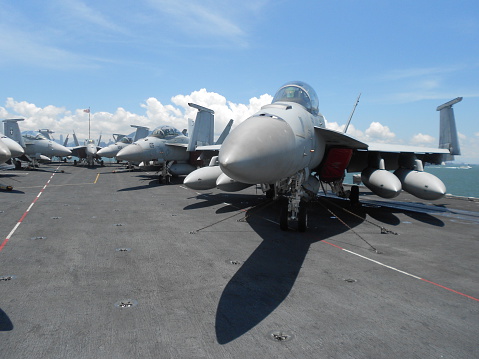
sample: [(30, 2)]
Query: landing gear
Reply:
[(302, 217), (354, 196)]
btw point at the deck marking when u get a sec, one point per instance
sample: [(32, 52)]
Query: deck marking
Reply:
[(96, 179), (402, 272), (4, 243)]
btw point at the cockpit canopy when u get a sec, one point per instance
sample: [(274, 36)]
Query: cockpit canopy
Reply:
[(299, 92), (126, 140), (166, 132), (89, 141), (35, 137)]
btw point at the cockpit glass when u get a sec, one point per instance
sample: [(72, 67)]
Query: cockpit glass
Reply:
[(299, 92), (127, 140), (166, 132)]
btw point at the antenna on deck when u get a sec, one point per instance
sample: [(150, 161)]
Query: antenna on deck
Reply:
[(352, 113)]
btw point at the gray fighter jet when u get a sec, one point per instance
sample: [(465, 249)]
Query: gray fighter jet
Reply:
[(87, 153), (8, 149), (168, 148), (121, 141), (36, 147), (286, 148)]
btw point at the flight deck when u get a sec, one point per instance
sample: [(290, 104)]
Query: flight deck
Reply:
[(105, 263)]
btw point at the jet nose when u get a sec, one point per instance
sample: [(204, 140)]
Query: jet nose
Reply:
[(131, 152), (15, 149), (107, 152), (4, 153), (256, 151), (59, 150)]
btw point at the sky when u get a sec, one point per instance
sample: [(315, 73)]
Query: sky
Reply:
[(141, 63)]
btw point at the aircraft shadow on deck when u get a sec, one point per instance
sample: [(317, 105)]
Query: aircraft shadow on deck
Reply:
[(5, 322), (266, 278)]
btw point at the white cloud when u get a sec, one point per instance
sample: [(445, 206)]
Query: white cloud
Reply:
[(62, 121), (379, 133), (422, 139)]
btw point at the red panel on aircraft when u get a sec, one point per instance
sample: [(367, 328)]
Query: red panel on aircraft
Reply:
[(336, 162)]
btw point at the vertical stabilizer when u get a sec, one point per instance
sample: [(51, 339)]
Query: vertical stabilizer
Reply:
[(447, 129), (225, 133), (46, 132), (203, 131), (75, 139), (141, 132), (12, 130)]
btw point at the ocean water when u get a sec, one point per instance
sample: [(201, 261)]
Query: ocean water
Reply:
[(459, 180)]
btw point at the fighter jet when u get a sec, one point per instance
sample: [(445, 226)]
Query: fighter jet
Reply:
[(121, 141), (169, 148), (87, 153), (35, 147), (286, 148)]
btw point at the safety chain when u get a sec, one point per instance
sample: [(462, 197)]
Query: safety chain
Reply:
[(384, 230), (349, 227)]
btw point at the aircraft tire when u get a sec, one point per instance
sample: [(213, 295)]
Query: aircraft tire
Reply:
[(270, 193), (354, 195), (302, 217), (75, 162)]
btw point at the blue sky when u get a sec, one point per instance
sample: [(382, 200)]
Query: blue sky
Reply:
[(141, 62)]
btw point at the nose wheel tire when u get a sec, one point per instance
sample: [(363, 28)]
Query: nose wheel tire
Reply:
[(302, 218)]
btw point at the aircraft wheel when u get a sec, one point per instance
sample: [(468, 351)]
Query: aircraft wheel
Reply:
[(354, 195), (160, 179), (75, 162), (270, 193), (283, 216), (302, 217), (102, 163), (167, 179)]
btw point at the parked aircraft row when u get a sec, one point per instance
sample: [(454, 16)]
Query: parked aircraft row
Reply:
[(285, 148)]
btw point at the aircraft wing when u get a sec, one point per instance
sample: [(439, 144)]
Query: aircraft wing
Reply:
[(394, 155), (208, 148), (335, 138), (184, 145), (79, 151), (386, 147)]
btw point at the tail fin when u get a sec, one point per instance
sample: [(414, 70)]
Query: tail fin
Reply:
[(12, 130), (203, 132), (47, 133), (75, 139), (447, 130), (225, 133), (66, 140), (141, 132)]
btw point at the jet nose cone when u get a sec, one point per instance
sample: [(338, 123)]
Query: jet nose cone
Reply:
[(107, 152), (59, 150), (131, 152), (15, 149), (258, 151), (4, 153)]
